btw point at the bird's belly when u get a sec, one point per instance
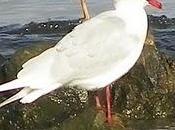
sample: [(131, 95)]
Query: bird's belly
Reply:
[(109, 75)]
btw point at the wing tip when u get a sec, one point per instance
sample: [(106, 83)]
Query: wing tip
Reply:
[(14, 84)]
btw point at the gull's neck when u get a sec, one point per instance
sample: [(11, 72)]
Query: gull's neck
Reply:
[(134, 17)]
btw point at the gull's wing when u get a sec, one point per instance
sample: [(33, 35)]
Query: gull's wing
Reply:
[(91, 49), (97, 45), (94, 31)]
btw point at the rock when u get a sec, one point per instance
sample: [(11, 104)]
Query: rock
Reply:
[(48, 111), (12, 67), (61, 27), (2, 61), (148, 90), (12, 116), (161, 21), (54, 109), (89, 119)]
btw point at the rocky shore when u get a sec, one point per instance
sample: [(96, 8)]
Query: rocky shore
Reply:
[(147, 92)]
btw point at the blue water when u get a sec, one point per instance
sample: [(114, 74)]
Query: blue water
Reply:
[(24, 11), (165, 39)]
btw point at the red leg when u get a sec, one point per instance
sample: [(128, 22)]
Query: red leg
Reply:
[(109, 106), (104, 105)]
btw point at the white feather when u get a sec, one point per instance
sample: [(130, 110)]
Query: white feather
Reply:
[(14, 84), (35, 94), (28, 95)]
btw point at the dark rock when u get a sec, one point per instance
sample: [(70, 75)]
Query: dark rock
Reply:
[(54, 109), (60, 27), (2, 61), (148, 90), (161, 21), (11, 117), (21, 56), (89, 119), (48, 111)]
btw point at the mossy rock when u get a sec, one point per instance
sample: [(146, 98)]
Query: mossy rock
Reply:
[(48, 111), (14, 65), (147, 91), (89, 119)]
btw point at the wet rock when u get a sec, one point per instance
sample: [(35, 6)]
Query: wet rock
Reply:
[(2, 61), (161, 21), (54, 109), (11, 117), (148, 90), (60, 27), (89, 119), (49, 111), (12, 67)]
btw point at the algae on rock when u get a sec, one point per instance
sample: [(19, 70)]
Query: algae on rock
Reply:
[(14, 65), (148, 90)]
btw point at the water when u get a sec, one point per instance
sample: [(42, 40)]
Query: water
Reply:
[(24, 11), (165, 39), (15, 13)]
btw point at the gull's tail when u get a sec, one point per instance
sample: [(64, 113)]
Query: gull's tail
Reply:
[(27, 94), (14, 84)]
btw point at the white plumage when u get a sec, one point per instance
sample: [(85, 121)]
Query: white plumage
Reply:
[(93, 55)]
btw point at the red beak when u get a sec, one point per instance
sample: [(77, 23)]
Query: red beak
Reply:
[(155, 3)]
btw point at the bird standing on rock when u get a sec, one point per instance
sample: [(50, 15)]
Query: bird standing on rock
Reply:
[(92, 56)]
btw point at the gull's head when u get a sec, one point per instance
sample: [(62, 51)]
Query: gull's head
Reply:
[(139, 3)]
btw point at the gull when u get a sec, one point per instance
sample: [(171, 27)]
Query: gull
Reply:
[(96, 53)]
